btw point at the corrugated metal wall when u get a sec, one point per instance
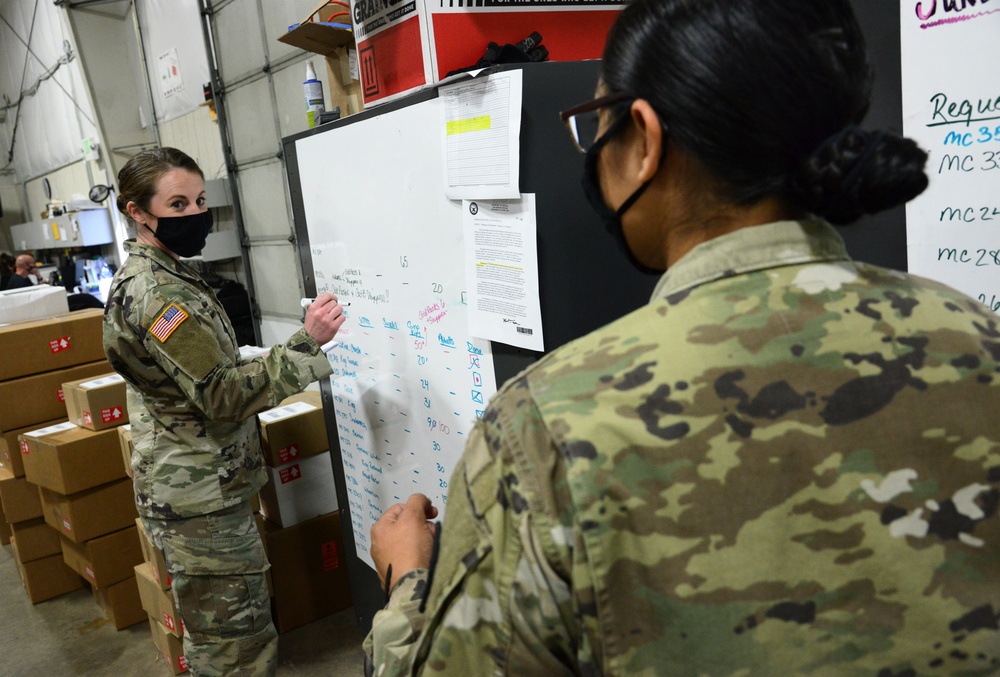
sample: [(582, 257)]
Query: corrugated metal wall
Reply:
[(261, 81)]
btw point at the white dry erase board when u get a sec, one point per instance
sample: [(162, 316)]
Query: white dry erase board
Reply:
[(408, 380), (951, 107)]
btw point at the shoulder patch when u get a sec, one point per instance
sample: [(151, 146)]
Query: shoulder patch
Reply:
[(167, 322)]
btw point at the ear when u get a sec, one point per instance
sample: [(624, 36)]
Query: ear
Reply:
[(135, 213), (647, 122)]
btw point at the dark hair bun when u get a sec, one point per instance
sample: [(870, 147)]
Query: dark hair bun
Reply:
[(858, 172)]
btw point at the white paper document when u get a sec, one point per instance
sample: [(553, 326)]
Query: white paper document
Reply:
[(481, 130), (501, 271), (953, 112)]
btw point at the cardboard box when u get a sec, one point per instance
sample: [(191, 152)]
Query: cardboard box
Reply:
[(31, 400), (299, 491), (325, 29), (294, 429), (68, 459), (32, 303), (55, 342), (19, 498), (157, 602), (125, 442), (153, 556), (10, 447), (90, 513), (104, 560), (169, 645), (308, 570), (97, 403), (47, 577), (36, 539), (406, 45), (121, 603)]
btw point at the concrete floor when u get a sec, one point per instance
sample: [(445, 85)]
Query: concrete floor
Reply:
[(70, 635)]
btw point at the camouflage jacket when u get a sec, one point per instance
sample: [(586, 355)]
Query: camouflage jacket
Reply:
[(191, 399), (788, 463)]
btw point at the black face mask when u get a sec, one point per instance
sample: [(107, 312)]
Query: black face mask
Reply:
[(183, 235), (611, 218)]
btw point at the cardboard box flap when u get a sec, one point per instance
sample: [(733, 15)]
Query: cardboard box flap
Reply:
[(320, 37)]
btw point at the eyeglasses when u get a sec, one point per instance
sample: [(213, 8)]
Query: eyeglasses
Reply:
[(583, 121)]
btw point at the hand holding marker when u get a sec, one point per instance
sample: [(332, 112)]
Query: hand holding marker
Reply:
[(327, 346)]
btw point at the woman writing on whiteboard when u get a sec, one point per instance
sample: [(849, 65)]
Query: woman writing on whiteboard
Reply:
[(788, 462), (191, 401)]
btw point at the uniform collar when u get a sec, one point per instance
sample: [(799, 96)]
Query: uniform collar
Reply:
[(162, 258), (783, 243)]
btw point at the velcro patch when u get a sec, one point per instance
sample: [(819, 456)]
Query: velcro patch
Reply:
[(167, 322)]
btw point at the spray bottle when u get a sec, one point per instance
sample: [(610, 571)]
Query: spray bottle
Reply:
[(314, 95)]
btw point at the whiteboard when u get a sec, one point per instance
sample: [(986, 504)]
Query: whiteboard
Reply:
[(409, 381), (951, 107)]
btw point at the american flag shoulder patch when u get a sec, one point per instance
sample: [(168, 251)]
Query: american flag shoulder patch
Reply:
[(167, 322)]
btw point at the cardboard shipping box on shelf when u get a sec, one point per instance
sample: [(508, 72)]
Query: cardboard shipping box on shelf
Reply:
[(30, 400), (308, 571), (125, 442), (104, 560), (121, 603), (46, 577), (19, 498), (157, 602), (405, 46), (170, 645), (299, 491), (91, 513), (36, 539), (56, 342), (68, 459), (10, 446), (294, 429), (97, 403), (331, 37)]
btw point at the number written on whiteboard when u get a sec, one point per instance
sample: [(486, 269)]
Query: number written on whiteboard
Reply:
[(969, 214), (988, 162), (979, 258), (993, 303)]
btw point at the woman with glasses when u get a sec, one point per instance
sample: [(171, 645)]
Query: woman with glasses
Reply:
[(788, 462)]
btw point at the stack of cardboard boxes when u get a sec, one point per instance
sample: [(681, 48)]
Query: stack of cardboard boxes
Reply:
[(158, 603), (302, 528), (85, 493), (36, 358)]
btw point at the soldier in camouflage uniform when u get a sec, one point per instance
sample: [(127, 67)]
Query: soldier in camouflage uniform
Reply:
[(192, 402), (787, 463)]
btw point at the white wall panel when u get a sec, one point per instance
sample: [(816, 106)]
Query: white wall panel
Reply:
[(274, 330), (290, 96), (262, 194), (276, 278), (239, 39), (198, 136), (172, 28), (251, 120)]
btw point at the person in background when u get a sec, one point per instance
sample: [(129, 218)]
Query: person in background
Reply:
[(788, 462), (6, 269), (192, 400), (25, 273)]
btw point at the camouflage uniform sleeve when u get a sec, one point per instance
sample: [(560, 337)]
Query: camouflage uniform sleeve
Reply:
[(193, 355), (500, 599)]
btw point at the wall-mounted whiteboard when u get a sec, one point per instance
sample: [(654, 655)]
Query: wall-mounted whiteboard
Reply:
[(951, 106), (408, 380)]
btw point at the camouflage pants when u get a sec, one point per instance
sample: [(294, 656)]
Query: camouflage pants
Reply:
[(217, 565)]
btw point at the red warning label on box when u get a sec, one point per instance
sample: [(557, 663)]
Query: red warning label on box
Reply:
[(290, 474), (289, 453), (60, 344), (111, 414)]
